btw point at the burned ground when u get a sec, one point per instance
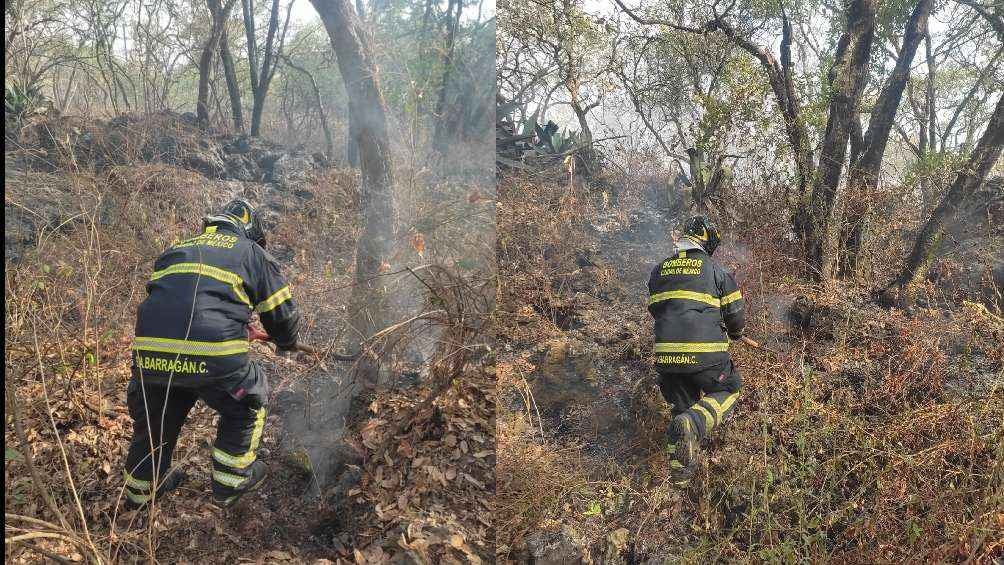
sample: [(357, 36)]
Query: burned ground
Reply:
[(403, 470), (862, 434)]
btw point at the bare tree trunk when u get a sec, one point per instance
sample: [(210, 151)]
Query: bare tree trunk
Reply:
[(328, 141), (439, 137), (847, 78), (864, 170), (370, 298), (219, 15), (986, 154), (352, 143), (261, 78), (264, 77), (780, 77), (233, 87), (251, 39), (932, 109)]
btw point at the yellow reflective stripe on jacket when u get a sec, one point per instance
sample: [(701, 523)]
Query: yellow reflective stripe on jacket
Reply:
[(189, 347), (233, 279), (731, 297), (685, 294), (699, 347), (242, 461), (272, 302), (133, 482), (226, 479)]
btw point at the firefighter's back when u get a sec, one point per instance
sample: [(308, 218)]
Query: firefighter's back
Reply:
[(191, 326), (691, 298)]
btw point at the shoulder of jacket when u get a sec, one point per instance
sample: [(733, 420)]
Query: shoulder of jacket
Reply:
[(261, 254)]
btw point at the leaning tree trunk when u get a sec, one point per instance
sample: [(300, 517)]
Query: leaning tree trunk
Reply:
[(352, 143), (780, 75), (986, 154), (864, 170), (233, 87), (329, 143), (440, 140), (219, 14), (847, 79), (370, 295), (260, 91)]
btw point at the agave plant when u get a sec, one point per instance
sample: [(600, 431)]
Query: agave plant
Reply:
[(533, 143), (19, 100)]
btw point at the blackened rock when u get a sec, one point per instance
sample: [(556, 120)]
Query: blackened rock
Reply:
[(240, 167), (561, 548), (290, 170)]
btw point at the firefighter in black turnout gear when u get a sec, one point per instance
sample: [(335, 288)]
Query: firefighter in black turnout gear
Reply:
[(192, 343), (697, 308)]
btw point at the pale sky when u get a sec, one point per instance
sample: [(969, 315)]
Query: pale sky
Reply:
[(303, 12)]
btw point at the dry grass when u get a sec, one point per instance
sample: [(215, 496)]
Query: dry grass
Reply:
[(69, 311), (870, 436)]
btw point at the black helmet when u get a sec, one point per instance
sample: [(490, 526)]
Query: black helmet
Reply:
[(243, 216), (703, 232)]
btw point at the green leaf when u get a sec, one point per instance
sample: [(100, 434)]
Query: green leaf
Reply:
[(11, 454), (593, 510)]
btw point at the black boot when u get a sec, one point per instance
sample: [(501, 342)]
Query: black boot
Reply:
[(259, 471), (174, 479), (683, 450)]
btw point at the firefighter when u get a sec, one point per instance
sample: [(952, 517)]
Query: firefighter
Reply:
[(697, 309), (192, 343)]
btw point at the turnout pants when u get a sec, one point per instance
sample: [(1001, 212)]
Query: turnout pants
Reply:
[(158, 413), (705, 397)]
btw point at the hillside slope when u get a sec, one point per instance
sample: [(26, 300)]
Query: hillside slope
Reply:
[(89, 205), (863, 435)]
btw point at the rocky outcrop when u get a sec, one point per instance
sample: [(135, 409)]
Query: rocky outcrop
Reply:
[(50, 159)]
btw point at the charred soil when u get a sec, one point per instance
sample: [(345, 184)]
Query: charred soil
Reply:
[(863, 434), (407, 469)]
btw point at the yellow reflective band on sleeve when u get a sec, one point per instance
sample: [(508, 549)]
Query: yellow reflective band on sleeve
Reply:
[(272, 302), (707, 347), (133, 482), (242, 461), (233, 279), (731, 297), (684, 294), (226, 479), (189, 347)]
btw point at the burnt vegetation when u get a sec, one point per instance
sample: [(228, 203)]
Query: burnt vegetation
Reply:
[(859, 190), (361, 130)]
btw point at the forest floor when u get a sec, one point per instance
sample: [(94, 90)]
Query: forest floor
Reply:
[(863, 435), (89, 206)]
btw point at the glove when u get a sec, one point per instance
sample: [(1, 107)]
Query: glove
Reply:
[(256, 334)]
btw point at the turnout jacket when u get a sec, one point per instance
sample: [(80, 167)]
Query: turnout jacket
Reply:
[(192, 326), (697, 307)]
